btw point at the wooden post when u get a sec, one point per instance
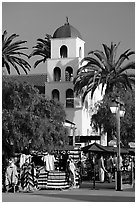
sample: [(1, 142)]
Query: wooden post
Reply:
[(74, 136)]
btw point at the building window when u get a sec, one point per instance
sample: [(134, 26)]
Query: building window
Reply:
[(80, 52), (69, 98), (55, 95), (57, 74), (63, 51), (69, 74)]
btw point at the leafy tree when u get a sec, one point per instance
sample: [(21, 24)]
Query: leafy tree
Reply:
[(42, 49), (103, 68), (103, 118), (29, 120), (11, 52), (18, 95)]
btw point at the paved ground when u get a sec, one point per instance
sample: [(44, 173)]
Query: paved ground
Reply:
[(103, 193)]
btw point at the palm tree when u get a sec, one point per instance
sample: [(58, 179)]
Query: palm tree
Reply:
[(11, 52), (103, 68), (42, 49)]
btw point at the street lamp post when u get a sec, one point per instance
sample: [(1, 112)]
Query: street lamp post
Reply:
[(74, 135), (118, 109)]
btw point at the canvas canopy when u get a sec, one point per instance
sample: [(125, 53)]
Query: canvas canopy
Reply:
[(95, 147)]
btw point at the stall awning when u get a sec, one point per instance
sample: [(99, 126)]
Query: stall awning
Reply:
[(95, 147), (99, 148)]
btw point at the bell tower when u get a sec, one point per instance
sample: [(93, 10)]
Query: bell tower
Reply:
[(67, 50)]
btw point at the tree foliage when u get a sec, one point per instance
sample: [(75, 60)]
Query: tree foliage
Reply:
[(103, 118), (11, 52), (118, 79), (29, 120), (42, 49), (103, 68)]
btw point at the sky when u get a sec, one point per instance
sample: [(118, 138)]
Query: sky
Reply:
[(98, 22)]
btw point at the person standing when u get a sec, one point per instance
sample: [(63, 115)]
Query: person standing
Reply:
[(109, 167), (72, 169), (109, 163), (102, 169)]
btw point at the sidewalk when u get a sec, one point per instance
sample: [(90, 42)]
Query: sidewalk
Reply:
[(103, 193), (103, 186)]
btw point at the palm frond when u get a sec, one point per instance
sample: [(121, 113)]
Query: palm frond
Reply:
[(8, 41), (15, 45), (19, 53), (91, 61), (21, 61), (102, 69), (7, 66), (101, 56), (123, 57), (14, 65), (42, 48), (115, 53), (128, 66), (38, 62), (107, 51), (12, 49)]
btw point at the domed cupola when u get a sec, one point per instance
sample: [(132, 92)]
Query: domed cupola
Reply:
[(66, 31)]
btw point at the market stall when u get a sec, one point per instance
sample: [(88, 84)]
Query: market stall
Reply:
[(93, 150), (55, 176)]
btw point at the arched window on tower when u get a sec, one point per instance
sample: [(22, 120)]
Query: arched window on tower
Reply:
[(57, 74), (80, 52), (63, 51), (55, 95), (69, 98), (69, 74)]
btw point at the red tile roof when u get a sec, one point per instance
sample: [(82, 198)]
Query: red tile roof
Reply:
[(34, 79)]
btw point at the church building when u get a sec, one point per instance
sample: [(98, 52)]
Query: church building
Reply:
[(56, 82)]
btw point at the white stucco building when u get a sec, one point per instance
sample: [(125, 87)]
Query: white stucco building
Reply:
[(67, 50)]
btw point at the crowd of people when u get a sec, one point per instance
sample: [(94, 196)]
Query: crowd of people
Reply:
[(105, 165)]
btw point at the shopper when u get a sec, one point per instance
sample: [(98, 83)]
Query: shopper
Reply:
[(109, 168), (102, 169), (72, 169)]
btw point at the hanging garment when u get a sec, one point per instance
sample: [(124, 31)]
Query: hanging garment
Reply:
[(28, 177), (22, 159), (11, 176), (42, 178), (49, 162)]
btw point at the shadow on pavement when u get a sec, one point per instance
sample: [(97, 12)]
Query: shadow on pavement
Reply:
[(89, 198)]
